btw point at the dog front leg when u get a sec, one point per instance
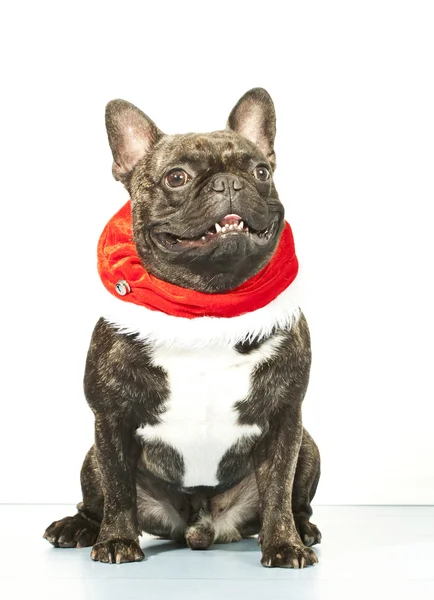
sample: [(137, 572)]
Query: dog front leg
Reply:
[(275, 463), (117, 460)]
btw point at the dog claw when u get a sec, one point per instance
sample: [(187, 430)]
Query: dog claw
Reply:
[(291, 556), (117, 551)]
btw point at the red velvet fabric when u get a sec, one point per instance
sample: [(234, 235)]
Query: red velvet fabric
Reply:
[(118, 260)]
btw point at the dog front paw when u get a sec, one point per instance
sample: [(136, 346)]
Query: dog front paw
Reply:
[(117, 550), (290, 556)]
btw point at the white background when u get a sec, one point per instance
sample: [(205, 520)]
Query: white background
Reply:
[(353, 88)]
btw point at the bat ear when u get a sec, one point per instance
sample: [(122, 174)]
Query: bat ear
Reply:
[(131, 135), (254, 118)]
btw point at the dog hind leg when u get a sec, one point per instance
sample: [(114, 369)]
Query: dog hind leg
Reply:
[(235, 512), (305, 483), (82, 529)]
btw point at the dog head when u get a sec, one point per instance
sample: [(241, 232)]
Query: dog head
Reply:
[(206, 214)]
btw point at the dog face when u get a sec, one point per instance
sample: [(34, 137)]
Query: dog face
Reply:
[(206, 214)]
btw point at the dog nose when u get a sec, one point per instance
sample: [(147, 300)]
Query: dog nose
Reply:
[(226, 182)]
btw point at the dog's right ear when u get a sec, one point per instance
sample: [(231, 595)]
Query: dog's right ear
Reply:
[(131, 135)]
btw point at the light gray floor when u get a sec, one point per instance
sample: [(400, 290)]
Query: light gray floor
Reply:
[(367, 552)]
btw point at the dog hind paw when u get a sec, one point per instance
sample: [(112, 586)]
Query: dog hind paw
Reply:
[(309, 532), (199, 537), (72, 532)]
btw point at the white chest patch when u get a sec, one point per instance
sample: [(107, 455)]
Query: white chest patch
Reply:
[(201, 421)]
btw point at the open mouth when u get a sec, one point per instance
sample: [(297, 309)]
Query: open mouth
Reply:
[(229, 225)]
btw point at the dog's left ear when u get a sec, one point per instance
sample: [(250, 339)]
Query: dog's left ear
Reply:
[(254, 118)]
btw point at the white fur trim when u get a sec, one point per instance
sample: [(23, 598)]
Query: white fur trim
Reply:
[(161, 329)]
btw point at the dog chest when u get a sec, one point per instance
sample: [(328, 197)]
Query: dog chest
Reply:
[(200, 419)]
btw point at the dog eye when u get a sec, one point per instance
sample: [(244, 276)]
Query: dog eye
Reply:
[(177, 178), (261, 173)]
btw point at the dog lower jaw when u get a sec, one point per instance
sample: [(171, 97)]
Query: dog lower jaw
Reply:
[(211, 239)]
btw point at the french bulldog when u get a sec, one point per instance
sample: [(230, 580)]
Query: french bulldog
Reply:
[(198, 424)]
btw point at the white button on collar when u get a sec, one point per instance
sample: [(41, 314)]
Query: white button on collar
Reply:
[(122, 287)]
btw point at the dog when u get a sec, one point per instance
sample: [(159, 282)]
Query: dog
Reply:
[(197, 370)]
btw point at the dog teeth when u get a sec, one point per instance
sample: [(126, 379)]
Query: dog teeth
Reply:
[(229, 227), (203, 238)]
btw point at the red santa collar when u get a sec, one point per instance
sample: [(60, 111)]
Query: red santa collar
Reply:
[(124, 276)]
